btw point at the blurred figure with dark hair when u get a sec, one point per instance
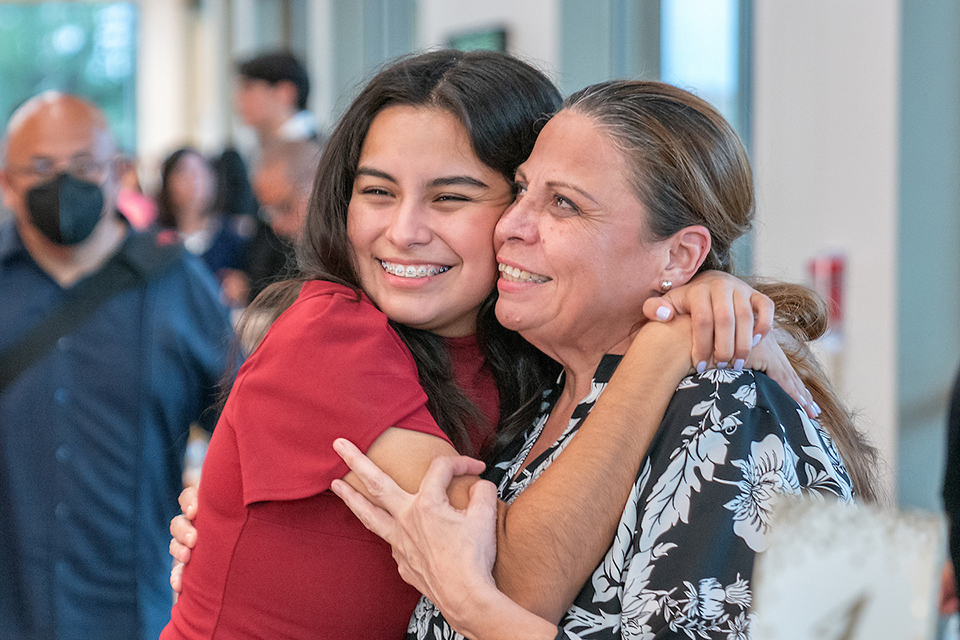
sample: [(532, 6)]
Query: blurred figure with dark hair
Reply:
[(271, 97), (186, 204), (949, 602), (235, 198)]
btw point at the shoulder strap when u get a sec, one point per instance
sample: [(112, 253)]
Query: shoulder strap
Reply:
[(141, 257)]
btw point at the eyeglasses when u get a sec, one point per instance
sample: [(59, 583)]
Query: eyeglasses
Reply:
[(81, 167)]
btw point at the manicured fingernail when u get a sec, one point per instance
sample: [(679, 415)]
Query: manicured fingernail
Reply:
[(721, 365), (756, 339), (816, 408), (701, 366), (663, 313), (803, 401), (738, 365)]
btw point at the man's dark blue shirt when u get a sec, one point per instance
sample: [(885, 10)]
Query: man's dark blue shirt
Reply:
[(92, 438)]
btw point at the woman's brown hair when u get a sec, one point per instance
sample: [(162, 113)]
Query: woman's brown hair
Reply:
[(688, 167)]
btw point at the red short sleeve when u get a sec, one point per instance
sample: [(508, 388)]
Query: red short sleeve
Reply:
[(329, 367)]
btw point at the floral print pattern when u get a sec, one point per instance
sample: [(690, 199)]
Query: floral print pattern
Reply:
[(730, 443)]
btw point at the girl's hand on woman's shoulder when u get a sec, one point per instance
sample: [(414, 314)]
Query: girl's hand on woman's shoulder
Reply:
[(768, 356), (731, 326), (729, 317)]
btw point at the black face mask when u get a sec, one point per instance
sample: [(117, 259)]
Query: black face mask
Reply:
[(65, 209)]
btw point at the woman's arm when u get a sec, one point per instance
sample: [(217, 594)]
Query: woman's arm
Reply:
[(556, 532), (552, 537), (547, 550), (455, 572)]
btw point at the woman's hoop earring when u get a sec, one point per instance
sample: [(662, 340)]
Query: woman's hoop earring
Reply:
[(665, 286)]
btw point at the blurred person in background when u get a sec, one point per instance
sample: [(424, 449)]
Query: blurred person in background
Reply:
[(235, 197), (113, 343), (949, 603), (271, 98), (186, 203), (282, 185)]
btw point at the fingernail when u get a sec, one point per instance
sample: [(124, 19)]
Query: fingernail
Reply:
[(738, 365), (701, 366), (338, 445), (756, 339), (803, 401), (721, 365), (663, 313), (816, 408)]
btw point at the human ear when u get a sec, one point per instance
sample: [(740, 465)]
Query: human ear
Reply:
[(7, 190), (688, 248)]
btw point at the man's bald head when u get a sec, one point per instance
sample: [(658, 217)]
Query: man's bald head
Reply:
[(53, 117), (282, 183)]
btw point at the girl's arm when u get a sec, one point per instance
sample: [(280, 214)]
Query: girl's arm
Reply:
[(448, 554)]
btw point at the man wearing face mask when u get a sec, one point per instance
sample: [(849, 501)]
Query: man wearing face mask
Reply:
[(112, 343)]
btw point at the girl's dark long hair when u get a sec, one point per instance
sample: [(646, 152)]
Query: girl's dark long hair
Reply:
[(502, 103)]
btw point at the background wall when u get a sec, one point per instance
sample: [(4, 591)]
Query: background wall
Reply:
[(532, 26), (826, 141), (928, 283), (163, 82)]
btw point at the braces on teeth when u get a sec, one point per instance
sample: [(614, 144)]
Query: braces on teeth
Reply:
[(411, 271)]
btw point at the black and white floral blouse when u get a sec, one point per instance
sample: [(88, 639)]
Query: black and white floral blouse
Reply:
[(681, 562)]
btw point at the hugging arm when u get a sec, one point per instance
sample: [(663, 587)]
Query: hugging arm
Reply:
[(455, 570), (674, 565), (557, 531), (552, 537)]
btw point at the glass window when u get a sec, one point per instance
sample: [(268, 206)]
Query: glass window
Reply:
[(86, 48), (700, 51)]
